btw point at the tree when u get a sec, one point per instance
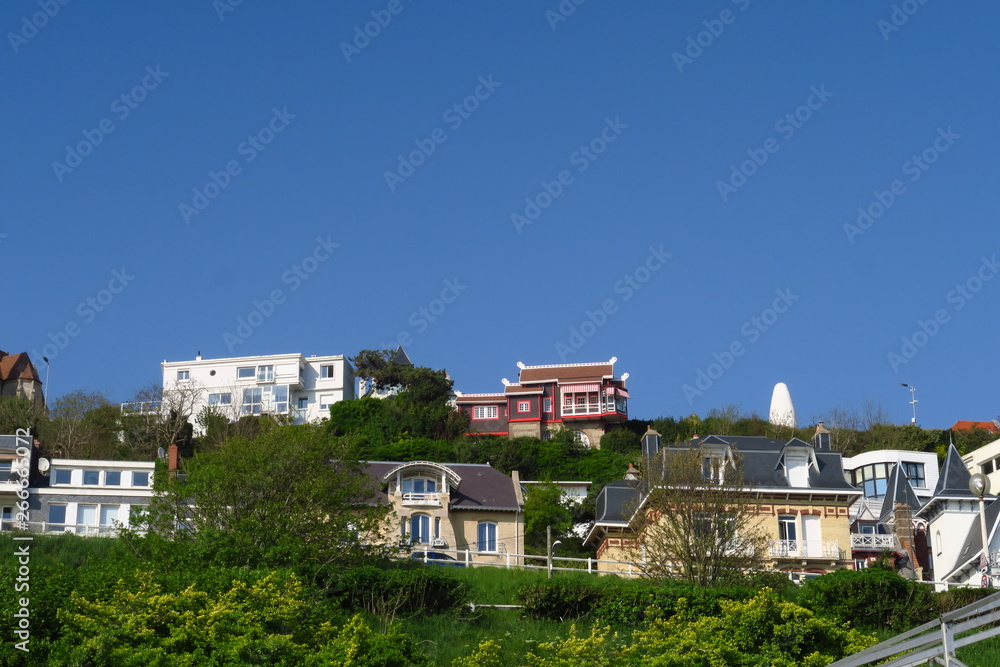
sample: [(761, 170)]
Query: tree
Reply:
[(291, 497), (694, 521), (82, 424), (543, 507), (156, 418), (19, 412)]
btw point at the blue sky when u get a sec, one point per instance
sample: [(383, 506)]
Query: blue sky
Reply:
[(671, 181)]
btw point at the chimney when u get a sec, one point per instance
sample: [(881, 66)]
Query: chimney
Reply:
[(632, 474), (173, 459), (821, 440), (651, 442)]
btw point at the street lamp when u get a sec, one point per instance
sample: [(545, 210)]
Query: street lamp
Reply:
[(913, 401), (45, 392), (549, 548), (979, 484)]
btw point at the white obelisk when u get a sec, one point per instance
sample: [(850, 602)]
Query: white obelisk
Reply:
[(782, 410)]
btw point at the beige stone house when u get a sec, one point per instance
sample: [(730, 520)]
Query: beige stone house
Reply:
[(799, 489), (452, 507)]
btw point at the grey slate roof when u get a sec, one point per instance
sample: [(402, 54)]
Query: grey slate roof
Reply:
[(899, 491), (482, 487), (616, 502), (762, 462), (954, 479)]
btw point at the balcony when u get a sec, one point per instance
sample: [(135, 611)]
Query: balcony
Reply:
[(827, 550), (860, 542), (593, 408), (412, 499)]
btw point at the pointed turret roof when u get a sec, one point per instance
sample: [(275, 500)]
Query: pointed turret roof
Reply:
[(969, 556), (899, 491), (954, 479)]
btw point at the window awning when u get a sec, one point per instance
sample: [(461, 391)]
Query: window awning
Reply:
[(622, 392), (579, 388)]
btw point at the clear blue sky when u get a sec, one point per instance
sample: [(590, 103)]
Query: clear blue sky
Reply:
[(615, 122)]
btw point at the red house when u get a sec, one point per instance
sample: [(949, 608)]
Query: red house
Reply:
[(585, 398)]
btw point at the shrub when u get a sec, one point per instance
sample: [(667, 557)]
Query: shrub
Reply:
[(558, 600), (387, 593), (956, 598), (869, 598)]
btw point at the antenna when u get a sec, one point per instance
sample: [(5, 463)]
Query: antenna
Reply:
[(913, 400)]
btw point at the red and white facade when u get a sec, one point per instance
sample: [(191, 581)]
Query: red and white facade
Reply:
[(585, 398)]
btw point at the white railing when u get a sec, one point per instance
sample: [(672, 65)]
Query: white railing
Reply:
[(84, 530), (412, 498), (874, 542), (141, 407), (805, 549)]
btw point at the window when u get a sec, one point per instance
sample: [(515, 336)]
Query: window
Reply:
[(420, 529), (868, 528), (86, 515), (419, 485), (112, 478), (57, 514), (915, 473), (524, 406), (247, 373), (5, 470), (252, 399), (939, 546), (325, 401), (62, 476), (797, 471), (279, 398), (91, 477), (581, 438), (140, 479), (109, 514), (183, 375), (987, 467), (487, 536), (547, 405), (303, 402), (872, 479), (786, 527), (712, 468), (265, 373), (220, 399), (326, 372), (484, 412)]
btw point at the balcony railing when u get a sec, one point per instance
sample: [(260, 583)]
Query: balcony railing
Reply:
[(411, 499), (805, 549), (85, 530), (874, 542), (592, 408)]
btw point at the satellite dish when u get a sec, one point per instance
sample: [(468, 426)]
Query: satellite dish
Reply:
[(43, 465), (160, 453)]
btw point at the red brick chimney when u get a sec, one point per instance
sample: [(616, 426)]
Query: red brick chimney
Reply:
[(173, 458)]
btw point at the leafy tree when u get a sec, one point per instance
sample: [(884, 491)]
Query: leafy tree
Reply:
[(82, 424), (18, 412), (291, 497), (621, 441), (695, 524), (543, 507)]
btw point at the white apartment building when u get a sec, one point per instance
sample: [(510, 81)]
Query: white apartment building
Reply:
[(304, 387)]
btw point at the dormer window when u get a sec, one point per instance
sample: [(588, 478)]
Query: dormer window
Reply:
[(419, 485), (713, 468)]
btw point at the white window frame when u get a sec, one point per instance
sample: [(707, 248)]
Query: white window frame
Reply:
[(547, 404), (484, 412), (221, 398), (524, 406), (183, 376), (326, 372), (246, 372), (487, 540)]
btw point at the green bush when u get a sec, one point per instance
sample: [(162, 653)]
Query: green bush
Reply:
[(956, 598), (870, 598), (388, 593), (559, 599)]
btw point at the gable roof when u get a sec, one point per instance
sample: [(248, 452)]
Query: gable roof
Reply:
[(961, 425), (899, 491), (969, 555), (17, 367), (567, 372), (480, 486)]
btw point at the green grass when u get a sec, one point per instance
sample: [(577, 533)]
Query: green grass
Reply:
[(68, 549)]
